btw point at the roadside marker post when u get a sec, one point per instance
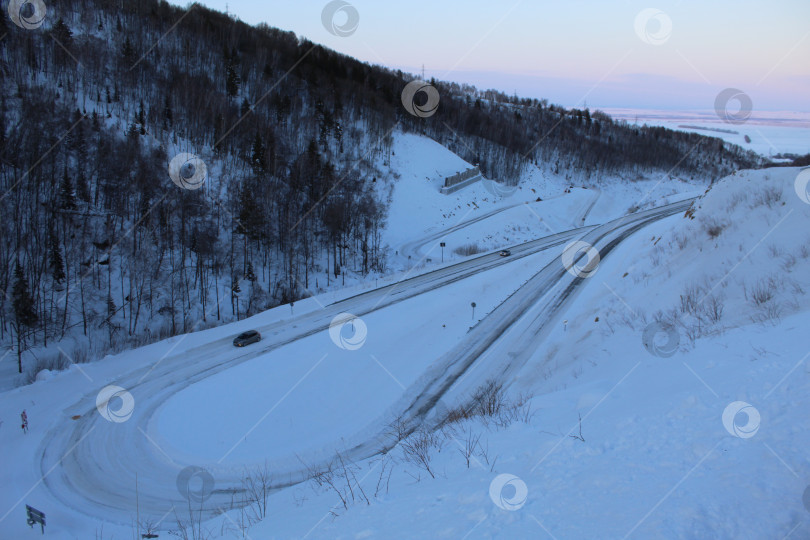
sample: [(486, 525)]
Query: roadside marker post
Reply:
[(35, 516)]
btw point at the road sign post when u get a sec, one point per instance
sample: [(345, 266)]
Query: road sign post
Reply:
[(35, 516), (473, 306), (442, 245)]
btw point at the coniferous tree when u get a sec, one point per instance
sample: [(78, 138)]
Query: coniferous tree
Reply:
[(67, 199), (63, 37), (22, 303), (232, 79), (168, 114), (82, 187), (251, 219), (2, 132), (128, 54), (56, 260), (61, 32), (140, 118), (257, 158), (134, 131), (3, 30)]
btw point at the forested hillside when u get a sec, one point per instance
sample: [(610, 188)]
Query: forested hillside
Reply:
[(101, 243)]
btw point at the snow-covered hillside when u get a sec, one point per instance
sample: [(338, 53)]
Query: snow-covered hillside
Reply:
[(666, 399), (165, 169), (486, 216), (662, 453), (491, 215)]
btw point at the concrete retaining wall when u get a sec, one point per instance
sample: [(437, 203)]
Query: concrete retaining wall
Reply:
[(446, 190), (461, 180)]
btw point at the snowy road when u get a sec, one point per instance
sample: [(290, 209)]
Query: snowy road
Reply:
[(415, 249), (412, 249), (90, 464)]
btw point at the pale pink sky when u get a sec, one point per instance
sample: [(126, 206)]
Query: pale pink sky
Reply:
[(577, 51)]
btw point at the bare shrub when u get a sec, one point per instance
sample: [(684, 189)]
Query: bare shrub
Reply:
[(770, 312), (518, 410), (340, 477), (796, 287), (483, 453), (190, 527), (467, 250), (692, 332), (256, 486), (50, 361), (460, 414), (769, 196), (324, 478), (489, 399), (762, 292), (471, 442), (713, 308), (348, 472), (642, 316), (418, 449), (398, 430), (384, 479), (762, 296), (682, 241), (490, 402), (579, 437), (671, 317), (690, 299), (737, 198), (242, 521), (628, 319), (150, 525), (713, 228)]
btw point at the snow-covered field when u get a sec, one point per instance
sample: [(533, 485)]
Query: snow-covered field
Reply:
[(769, 132), (618, 422)]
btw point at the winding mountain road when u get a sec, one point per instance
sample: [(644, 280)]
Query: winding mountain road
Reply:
[(90, 465)]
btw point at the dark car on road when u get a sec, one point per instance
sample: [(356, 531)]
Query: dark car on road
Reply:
[(505, 253), (246, 338)]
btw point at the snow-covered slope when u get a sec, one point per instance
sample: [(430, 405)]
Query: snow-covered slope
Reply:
[(608, 431), (662, 453), (490, 215)]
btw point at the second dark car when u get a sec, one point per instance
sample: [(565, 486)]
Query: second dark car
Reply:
[(246, 338)]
